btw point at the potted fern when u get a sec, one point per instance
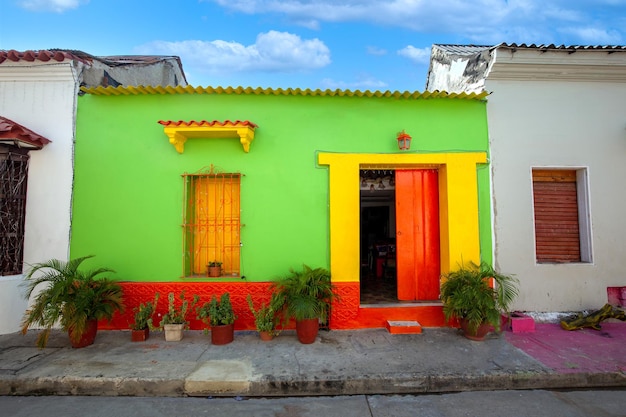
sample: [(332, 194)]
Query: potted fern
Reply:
[(306, 295), (220, 317), (71, 297), (174, 321), (469, 295), (265, 317), (140, 329)]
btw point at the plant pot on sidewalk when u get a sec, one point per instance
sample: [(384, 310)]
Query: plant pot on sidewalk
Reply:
[(223, 334), (173, 332), (307, 330), (139, 335), (266, 336), (88, 336)]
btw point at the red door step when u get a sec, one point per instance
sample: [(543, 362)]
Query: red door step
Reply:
[(403, 327)]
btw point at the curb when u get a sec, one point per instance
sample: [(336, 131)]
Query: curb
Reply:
[(271, 387)]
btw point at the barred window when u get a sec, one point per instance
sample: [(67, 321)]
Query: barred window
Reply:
[(211, 223), (13, 180)]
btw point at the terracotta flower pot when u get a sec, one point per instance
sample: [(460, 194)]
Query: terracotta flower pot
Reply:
[(173, 332), (88, 336), (307, 330), (139, 335), (214, 271), (479, 334), (222, 335), (266, 336)]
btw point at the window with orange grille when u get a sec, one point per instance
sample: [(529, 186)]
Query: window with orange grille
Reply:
[(211, 223)]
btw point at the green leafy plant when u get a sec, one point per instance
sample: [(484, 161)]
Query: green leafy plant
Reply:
[(467, 293), (305, 294), (214, 263), (217, 313), (143, 314), (178, 314), (265, 317), (71, 297)]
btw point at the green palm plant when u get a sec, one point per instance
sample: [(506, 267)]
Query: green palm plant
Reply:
[(305, 293), (71, 298), (467, 293)]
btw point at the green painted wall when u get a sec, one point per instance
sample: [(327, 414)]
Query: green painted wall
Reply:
[(127, 204)]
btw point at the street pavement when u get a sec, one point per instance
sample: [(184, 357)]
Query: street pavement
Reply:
[(356, 362)]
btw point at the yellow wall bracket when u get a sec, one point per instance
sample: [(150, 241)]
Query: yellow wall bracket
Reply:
[(178, 132)]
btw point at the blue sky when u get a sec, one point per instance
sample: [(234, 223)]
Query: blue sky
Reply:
[(326, 44)]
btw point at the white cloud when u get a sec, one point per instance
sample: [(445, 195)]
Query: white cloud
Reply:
[(374, 50), (594, 35), (363, 82), (481, 21), (418, 55), (272, 52), (56, 6)]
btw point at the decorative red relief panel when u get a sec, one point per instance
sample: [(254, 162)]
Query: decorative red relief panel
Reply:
[(346, 313), (140, 292)]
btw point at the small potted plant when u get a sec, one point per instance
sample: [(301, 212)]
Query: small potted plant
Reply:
[(469, 295), (73, 298), (265, 318), (174, 321), (140, 329), (214, 269), (219, 316), (306, 295)]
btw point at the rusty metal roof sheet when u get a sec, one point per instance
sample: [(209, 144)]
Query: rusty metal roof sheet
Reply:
[(61, 55), (148, 90), (13, 133)]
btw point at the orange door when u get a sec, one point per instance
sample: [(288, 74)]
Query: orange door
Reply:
[(417, 234)]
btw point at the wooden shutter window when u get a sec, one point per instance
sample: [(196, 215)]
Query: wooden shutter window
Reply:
[(557, 233)]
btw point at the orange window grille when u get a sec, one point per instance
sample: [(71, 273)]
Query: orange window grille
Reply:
[(211, 223)]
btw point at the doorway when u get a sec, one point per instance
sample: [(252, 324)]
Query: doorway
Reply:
[(399, 236), (377, 237)]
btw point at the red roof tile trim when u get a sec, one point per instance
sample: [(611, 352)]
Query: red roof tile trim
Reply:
[(207, 123), (18, 135), (43, 55)]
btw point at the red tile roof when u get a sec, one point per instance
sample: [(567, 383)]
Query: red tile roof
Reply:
[(44, 56), (207, 123), (15, 134)]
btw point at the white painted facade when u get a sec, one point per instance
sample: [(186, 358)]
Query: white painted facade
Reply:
[(557, 109), (42, 97)]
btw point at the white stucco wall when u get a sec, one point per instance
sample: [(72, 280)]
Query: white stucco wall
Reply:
[(43, 99), (578, 124)]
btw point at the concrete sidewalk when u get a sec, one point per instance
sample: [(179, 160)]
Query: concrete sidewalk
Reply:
[(338, 363)]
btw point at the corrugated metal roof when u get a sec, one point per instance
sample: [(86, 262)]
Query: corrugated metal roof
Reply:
[(473, 49), (15, 134), (544, 47), (148, 90), (463, 49)]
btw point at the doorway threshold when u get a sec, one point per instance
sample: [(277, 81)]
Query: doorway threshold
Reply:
[(408, 304)]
